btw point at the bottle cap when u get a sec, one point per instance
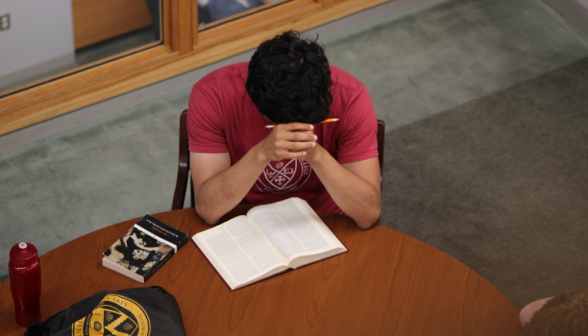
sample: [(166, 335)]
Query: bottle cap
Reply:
[(23, 255)]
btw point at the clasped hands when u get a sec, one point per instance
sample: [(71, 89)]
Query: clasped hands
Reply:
[(291, 141)]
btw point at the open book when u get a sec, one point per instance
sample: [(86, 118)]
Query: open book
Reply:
[(268, 241)]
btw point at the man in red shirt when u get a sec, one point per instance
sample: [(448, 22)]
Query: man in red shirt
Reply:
[(288, 83)]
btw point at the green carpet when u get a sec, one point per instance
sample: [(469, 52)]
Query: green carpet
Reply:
[(500, 183)]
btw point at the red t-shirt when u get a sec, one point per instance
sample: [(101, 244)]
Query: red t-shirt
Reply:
[(222, 118)]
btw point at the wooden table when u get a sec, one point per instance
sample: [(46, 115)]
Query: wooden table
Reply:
[(387, 284)]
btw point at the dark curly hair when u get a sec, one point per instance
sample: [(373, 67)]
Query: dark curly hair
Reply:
[(289, 80)]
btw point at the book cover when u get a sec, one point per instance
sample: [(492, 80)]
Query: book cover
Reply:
[(143, 248)]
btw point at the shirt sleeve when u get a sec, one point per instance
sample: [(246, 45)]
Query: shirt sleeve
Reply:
[(358, 138), (205, 121)]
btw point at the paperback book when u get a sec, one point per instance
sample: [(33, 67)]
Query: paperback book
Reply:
[(269, 240), (143, 249)]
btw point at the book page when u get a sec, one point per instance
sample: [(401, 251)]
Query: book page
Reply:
[(293, 228), (241, 249)]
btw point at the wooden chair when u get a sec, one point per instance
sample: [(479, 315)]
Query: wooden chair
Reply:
[(184, 162)]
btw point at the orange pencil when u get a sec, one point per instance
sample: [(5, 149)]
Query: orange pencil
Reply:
[(322, 122)]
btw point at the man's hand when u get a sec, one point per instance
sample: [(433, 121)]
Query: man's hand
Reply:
[(315, 153), (288, 141)]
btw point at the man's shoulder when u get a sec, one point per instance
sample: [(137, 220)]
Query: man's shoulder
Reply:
[(236, 71), (345, 81)]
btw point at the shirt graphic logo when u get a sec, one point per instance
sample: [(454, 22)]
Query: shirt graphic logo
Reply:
[(284, 176)]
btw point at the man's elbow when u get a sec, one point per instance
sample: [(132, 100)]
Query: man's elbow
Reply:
[(370, 217), (206, 216)]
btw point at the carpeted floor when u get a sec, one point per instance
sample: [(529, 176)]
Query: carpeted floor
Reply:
[(500, 183), (496, 182)]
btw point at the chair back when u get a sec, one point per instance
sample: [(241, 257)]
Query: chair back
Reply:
[(183, 167), (381, 134), (184, 162)]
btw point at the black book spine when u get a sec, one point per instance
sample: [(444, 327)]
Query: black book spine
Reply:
[(163, 231)]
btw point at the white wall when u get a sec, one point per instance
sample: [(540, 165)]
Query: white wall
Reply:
[(41, 31)]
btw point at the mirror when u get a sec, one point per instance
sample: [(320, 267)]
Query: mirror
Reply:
[(45, 40)]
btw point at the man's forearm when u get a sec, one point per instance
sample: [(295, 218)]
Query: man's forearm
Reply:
[(222, 192), (354, 195), (218, 189)]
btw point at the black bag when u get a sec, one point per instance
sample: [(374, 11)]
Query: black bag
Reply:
[(143, 311)]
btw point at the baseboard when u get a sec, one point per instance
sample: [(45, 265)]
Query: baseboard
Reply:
[(575, 11), (361, 20)]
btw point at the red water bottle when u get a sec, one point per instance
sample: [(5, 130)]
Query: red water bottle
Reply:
[(25, 282)]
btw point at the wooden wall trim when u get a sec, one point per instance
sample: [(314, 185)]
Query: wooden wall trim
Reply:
[(173, 17), (195, 22), (166, 22), (186, 21), (178, 17), (119, 76)]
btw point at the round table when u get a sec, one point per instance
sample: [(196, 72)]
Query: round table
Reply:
[(387, 283)]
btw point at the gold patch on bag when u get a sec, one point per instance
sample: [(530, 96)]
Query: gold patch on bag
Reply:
[(114, 315)]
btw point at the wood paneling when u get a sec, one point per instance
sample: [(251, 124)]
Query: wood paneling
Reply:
[(119, 76), (96, 21)]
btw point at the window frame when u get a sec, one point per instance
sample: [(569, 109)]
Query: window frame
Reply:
[(184, 48)]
